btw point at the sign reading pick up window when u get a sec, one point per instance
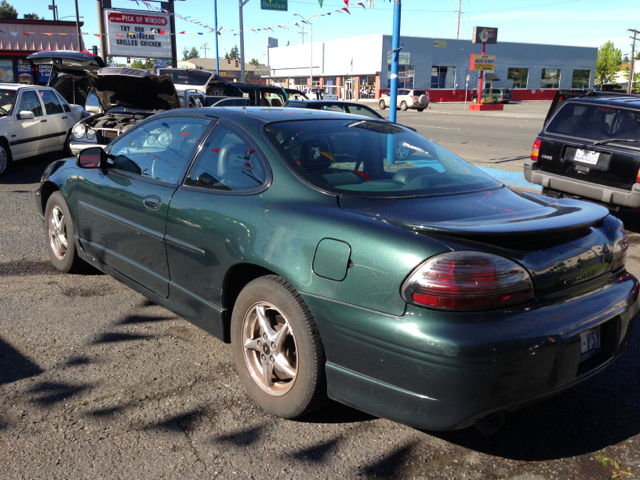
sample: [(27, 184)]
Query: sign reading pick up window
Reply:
[(274, 5), (482, 63), (138, 34)]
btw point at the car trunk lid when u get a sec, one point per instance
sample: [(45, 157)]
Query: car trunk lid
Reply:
[(562, 242)]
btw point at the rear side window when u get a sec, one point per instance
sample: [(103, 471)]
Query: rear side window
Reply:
[(417, 93), (595, 122), (227, 162), (51, 103)]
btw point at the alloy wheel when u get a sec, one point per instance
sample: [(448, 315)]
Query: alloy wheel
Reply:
[(58, 233), (269, 348)]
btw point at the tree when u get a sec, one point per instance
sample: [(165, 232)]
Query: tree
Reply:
[(608, 63), (7, 12), (143, 65), (189, 54), (234, 53), (636, 78), (254, 61)]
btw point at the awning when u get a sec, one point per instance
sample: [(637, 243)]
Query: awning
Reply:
[(491, 77)]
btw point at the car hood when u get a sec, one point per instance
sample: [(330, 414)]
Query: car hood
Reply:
[(553, 238), (133, 89)]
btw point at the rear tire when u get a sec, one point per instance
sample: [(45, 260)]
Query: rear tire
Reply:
[(59, 233), (420, 109), (5, 157), (277, 349), (382, 105)]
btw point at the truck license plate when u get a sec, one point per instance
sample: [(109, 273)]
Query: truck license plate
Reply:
[(586, 156), (590, 341)]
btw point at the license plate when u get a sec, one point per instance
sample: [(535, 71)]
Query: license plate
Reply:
[(586, 156), (590, 341)]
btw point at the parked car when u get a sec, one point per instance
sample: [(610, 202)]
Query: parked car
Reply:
[(127, 96), (335, 106), (497, 95), (421, 291), (294, 94), (407, 98), (33, 120), (590, 149)]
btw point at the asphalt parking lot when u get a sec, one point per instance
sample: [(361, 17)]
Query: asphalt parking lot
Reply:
[(97, 382)]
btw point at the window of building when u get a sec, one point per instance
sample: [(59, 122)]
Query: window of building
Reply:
[(406, 74), (443, 77), (580, 79), (519, 76), (550, 78)]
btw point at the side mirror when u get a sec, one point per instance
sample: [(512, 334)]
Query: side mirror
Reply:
[(26, 115), (94, 157)]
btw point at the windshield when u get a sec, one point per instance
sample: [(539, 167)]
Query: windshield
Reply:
[(186, 77), (595, 122), (372, 158), (7, 101)]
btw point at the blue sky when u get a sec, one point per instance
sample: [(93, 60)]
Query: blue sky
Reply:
[(560, 22)]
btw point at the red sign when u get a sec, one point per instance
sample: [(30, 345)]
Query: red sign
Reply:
[(137, 19)]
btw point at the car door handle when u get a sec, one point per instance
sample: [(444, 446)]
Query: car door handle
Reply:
[(152, 202), (43, 121), (64, 118)]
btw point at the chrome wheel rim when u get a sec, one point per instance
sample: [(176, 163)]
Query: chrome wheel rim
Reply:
[(269, 349), (57, 233), (4, 159)]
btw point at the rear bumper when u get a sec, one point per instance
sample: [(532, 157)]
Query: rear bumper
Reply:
[(442, 371), (599, 193)]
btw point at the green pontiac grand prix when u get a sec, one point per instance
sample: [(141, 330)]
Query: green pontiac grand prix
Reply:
[(420, 290)]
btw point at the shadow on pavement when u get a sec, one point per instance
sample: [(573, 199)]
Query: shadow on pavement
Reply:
[(336, 412), (14, 366), (27, 171)]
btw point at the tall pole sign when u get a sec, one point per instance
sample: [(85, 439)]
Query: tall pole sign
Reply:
[(483, 35)]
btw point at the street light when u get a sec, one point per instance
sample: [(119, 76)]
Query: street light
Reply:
[(310, 51)]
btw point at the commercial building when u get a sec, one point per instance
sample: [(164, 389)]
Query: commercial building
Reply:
[(358, 67), (21, 38), (229, 68)]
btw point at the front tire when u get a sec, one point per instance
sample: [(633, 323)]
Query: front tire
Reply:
[(403, 106), (382, 105), (277, 349), (5, 157), (60, 242)]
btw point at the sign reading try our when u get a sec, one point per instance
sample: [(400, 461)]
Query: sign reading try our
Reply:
[(274, 5)]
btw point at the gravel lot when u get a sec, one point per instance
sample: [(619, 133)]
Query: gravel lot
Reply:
[(96, 382)]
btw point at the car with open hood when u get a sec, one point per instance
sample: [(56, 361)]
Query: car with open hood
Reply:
[(126, 96), (68, 72), (420, 290)]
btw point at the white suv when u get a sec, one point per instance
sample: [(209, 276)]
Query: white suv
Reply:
[(33, 120), (407, 98)]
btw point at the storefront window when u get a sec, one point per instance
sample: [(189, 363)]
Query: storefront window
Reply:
[(550, 78), (406, 73), (6, 71), (368, 87), (580, 79), (519, 76), (443, 77)]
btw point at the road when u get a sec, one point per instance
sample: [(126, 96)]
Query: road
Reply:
[(96, 382)]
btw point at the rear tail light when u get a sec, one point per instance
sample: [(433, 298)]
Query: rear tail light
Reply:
[(535, 150), (468, 281), (620, 248), (638, 176)]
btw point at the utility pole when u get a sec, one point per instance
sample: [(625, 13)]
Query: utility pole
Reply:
[(459, 11), (80, 40), (205, 48), (633, 55), (302, 27), (241, 3)]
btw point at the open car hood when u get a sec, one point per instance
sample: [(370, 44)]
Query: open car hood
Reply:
[(65, 61), (132, 88)]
